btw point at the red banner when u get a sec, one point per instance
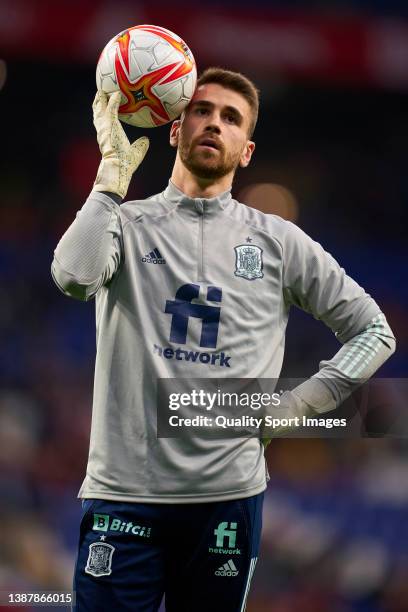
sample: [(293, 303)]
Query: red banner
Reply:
[(265, 43)]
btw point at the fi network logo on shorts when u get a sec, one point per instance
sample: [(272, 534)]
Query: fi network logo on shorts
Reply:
[(226, 536), (182, 308)]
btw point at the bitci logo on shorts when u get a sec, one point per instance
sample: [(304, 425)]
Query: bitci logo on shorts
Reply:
[(104, 522)]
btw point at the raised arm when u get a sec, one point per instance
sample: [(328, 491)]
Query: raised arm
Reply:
[(90, 251)]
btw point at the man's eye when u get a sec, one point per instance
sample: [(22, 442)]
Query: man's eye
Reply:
[(231, 118), (201, 111)]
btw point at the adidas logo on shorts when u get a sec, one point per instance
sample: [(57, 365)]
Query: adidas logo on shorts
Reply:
[(228, 569), (154, 257)]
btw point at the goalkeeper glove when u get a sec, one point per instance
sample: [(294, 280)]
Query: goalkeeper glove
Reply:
[(290, 411), (119, 158)]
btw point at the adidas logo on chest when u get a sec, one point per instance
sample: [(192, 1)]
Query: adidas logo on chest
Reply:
[(154, 257)]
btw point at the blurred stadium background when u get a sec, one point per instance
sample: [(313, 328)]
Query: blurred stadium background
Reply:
[(331, 155)]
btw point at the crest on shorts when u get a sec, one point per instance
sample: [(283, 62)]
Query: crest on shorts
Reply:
[(99, 561), (248, 261)]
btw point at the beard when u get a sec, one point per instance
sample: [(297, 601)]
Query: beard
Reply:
[(207, 164)]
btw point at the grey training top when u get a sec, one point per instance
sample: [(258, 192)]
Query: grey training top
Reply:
[(193, 288)]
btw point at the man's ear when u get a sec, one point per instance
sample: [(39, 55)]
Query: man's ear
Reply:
[(247, 154), (174, 133)]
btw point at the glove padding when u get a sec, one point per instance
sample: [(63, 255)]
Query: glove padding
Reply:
[(291, 406), (119, 158)]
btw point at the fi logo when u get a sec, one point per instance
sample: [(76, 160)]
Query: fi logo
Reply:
[(224, 531), (182, 308)]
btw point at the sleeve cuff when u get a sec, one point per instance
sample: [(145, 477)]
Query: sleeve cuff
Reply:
[(113, 196)]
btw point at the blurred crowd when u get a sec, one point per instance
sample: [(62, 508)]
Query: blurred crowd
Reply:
[(332, 159)]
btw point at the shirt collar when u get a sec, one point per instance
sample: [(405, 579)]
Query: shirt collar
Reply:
[(197, 205)]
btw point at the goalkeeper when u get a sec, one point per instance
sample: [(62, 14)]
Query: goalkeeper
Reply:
[(182, 517)]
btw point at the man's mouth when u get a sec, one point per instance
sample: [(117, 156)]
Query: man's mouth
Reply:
[(210, 143)]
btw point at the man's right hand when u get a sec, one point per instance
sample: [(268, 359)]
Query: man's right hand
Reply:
[(119, 158)]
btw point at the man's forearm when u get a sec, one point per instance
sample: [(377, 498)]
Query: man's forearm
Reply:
[(356, 361), (89, 251)]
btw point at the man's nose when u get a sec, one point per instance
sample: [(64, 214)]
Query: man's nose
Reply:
[(214, 124), (213, 127)]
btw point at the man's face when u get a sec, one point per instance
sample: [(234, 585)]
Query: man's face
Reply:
[(212, 135)]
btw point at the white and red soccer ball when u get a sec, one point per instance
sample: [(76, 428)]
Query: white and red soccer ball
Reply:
[(155, 71)]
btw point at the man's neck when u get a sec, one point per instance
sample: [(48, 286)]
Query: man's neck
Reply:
[(196, 187)]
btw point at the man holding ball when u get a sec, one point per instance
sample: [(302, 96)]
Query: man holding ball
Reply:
[(178, 516)]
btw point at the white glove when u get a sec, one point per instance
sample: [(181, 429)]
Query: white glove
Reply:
[(290, 411), (119, 158)]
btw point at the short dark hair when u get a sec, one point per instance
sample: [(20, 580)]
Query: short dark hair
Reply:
[(237, 82)]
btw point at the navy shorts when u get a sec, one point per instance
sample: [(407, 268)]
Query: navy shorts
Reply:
[(201, 557)]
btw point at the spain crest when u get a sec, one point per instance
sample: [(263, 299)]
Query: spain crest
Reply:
[(99, 561), (248, 261)]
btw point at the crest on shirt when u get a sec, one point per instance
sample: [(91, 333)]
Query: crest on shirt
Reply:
[(248, 261), (99, 561)]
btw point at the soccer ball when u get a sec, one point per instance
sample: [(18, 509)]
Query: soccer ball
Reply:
[(155, 71)]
